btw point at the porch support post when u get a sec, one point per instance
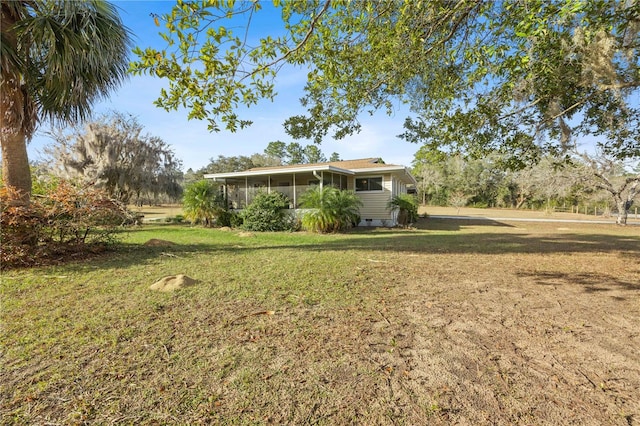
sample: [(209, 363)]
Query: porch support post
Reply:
[(321, 180), (226, 193), (269, 184), (246, 191), (295, 202)]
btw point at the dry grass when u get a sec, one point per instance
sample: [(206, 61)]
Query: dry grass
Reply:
[(456, 322), (157, 213), (634, 214)]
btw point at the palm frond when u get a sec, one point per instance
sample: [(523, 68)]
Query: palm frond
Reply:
[(77, 53)]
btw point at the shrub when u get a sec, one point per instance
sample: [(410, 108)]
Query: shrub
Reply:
[(229, 218), (330, 209), (236, 220), (82, 214), (407, 206), (174, 219), (202, 202), (64, 221), (268, 212)]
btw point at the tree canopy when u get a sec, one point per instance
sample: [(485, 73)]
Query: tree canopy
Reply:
[(276, 153), (294, 153), (112, 152), (521, 78)]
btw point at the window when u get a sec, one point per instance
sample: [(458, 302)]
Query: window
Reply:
[(369, 184)]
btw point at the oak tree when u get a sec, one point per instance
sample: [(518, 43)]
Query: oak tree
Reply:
[(520, 78), (112, 152)]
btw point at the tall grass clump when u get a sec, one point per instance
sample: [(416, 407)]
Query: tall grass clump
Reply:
[(330, 209)]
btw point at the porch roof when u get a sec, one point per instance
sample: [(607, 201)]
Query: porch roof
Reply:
[(303, 168), (348, 167)]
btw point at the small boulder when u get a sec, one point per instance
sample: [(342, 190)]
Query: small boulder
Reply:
[(172, 282)]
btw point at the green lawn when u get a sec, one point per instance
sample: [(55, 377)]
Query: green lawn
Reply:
[(369, 327)]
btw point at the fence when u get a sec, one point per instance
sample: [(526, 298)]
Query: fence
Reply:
[(595, 211)]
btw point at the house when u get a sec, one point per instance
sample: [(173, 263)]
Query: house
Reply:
[(372, 180)]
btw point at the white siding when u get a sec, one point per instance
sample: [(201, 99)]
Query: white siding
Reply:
[(374, 203)]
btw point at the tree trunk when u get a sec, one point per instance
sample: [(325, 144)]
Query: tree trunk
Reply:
[(15, 112), (16, 173), (622, 211)]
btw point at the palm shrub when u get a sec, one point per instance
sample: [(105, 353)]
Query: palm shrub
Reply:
[(268, 212), (407, 207), (202, 202), (330, 209)]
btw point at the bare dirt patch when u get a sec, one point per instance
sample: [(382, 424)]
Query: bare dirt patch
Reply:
[(517, 341)]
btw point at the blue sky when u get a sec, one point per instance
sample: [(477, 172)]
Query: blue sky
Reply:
[(195, 145)]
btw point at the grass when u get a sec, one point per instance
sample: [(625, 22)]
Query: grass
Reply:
[(370, 327)]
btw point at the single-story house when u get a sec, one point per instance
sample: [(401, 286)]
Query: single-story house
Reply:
[(372, 180)]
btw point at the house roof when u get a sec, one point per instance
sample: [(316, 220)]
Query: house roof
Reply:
[(347, 167), (346, 164)]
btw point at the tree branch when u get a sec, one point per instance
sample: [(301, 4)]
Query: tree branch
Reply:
[(519, 110), (299, 46)]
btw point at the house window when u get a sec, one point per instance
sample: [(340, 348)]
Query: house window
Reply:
[(369, 184)]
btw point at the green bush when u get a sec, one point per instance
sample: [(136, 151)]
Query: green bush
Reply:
[(229, 218), (174, 219), (202, 202), (268, 212), (407, 207), (330, 209)]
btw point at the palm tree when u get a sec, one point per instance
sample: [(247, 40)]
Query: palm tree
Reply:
[(330, 209), (202, 202), (57, 58), (407, 207)]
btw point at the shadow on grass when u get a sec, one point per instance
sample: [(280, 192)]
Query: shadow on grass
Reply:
[(457, 225), (495, 240), (592, 282)]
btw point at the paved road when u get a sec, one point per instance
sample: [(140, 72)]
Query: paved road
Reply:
[(533, 219)]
